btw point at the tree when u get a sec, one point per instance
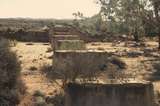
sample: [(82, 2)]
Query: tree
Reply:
[(90, 26), (128, 13), (78, 15), (156, 6)]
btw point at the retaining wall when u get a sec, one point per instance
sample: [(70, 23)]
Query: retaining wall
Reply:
[(137, 94)]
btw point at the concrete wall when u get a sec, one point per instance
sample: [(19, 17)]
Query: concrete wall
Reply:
[(70, 45), (109, 95), (65, 54), (74, 31), (35, 36), (54, 39), (28, 36)]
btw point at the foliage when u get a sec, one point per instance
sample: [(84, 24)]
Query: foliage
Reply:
[(156, 6), (38, 93), (33, 68), (157, 66), (69, 69), (118, 62), (129, 14), (49, 49), (92, 26), (82, 68), (57, 100), (10, 83)]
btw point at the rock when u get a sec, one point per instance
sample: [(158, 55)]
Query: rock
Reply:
[(124, 36)]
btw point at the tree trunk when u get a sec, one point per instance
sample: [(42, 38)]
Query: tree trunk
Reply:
[(159, 37), (136, 36), (157, 10), (159, 42)]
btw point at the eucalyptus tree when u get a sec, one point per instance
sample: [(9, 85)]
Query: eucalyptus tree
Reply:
[(129, 13), (156, 7)]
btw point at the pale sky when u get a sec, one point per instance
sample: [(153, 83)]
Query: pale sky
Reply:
[(46, 8)]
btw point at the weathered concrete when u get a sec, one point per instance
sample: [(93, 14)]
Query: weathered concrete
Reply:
[(63, 31), (35, 36), (60, 32), (64, 54), (27, 36), (56, 38), (130, 94), (70, 45)]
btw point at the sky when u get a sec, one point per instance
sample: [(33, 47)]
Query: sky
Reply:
[(58, 9)]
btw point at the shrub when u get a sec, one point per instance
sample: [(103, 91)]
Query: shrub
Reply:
[(49, 49), (157, 66), (13, 43), (100, 48), (10, 75), (30, 43), (45, 68), (57, 100), (83, 67), (39, 93), (39, 101), (33, 68), (117, 61)]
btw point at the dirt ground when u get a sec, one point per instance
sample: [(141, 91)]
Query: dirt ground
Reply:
[(139, 66), (35, 55)]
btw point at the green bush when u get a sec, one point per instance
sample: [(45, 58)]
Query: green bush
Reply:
[(9, 75)]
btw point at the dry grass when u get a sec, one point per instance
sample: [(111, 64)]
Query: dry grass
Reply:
[(83, 68), (34, 56)]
